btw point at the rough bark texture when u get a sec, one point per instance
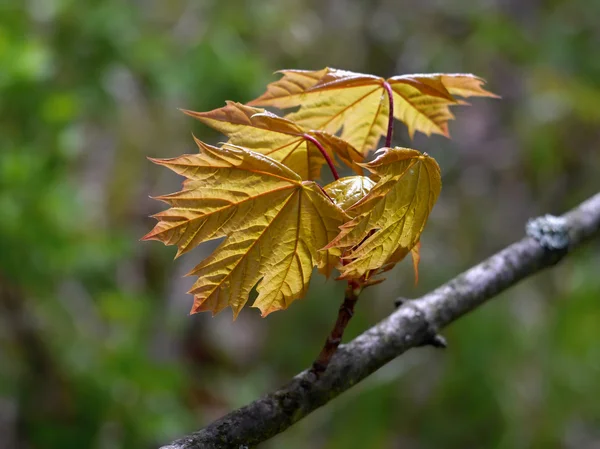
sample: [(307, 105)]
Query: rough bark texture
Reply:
[(413, 324)]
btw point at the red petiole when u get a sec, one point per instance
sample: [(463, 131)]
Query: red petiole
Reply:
[(316, 143), (390, 129)]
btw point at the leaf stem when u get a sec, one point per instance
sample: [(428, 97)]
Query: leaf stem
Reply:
[(354, 288), (325, 193), (345, 313), (390, 129), (324, 153)]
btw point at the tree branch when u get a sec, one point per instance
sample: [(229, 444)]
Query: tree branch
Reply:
[(411, 325)]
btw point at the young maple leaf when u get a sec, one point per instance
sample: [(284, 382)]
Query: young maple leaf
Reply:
[(389, 219), (274, 224), (347, 191), (330, 99), (279, 138)]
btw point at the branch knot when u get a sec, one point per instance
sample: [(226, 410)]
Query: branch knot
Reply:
[(549, 231), (431, 336)]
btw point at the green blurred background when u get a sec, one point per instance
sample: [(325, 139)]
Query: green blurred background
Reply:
[(96, 346)]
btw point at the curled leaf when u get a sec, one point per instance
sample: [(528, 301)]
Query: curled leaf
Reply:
[(389, 220), (278, 138), (274, 224), (331, 99), (347, 191)]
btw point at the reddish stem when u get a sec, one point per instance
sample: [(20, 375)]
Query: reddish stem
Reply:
[(353, 289), (344, 315), (325, 193), (390, 129), (324, 153), (335, 338)]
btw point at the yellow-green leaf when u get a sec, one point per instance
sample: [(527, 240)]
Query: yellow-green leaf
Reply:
[(278, 138), (332, 98), (388, 221), (274, 224), (347, 191)]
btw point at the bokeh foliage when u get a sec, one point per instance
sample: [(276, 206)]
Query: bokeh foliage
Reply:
[(96, 348)]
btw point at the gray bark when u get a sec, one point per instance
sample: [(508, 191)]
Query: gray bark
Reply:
[(413, 324)]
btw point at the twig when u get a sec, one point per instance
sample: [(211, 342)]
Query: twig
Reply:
[(409, 326), (345, 313)]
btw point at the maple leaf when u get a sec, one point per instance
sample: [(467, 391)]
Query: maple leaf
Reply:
[(278, 138), (330, 99), (388, 220), (274, 224), (346, 191)]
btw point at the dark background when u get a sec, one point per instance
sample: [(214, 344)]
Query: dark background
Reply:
[(96, 346)]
